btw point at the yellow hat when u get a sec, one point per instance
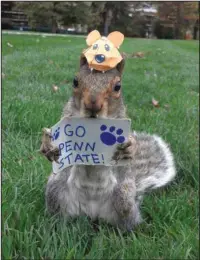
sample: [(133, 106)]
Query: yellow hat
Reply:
[(103, 53)]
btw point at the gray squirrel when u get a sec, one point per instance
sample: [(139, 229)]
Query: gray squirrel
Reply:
[(111, 193)]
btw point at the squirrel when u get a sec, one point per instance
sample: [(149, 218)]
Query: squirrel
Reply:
[(111, 193)]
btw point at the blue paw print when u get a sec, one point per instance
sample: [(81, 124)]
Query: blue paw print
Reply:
[(109, 137), (56, 134)]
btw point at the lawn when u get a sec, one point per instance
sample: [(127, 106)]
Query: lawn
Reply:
[(169, 73)]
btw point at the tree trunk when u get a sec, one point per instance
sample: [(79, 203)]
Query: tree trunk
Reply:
[(180, 20), (196, 26), (107, 21), (54, 26), (195, 32)]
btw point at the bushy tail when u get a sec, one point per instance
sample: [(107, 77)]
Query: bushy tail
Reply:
[(155, 163)]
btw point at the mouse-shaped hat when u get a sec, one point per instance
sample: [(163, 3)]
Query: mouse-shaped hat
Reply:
[(103, 53)]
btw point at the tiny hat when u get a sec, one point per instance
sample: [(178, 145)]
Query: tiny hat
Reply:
[(103, 53)]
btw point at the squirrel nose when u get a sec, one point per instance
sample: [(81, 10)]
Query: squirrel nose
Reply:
[(99, 58), (93, 106)]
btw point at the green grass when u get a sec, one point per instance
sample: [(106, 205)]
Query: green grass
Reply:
[(170, 75)]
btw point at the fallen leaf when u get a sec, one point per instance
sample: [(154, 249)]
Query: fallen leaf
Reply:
[(140, 54), (167, 106), (50, 61), (20, 162), (192, 92), (155, 103), (9, 45), (55, 88), (125, 55), (3, 75)]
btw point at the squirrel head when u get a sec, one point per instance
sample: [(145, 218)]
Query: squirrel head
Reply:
[(98, 94), (103, 53)]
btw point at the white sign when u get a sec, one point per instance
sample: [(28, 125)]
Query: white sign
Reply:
[(88, 141)]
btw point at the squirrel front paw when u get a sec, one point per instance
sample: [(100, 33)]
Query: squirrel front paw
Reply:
[(125, 151), (47, 149)]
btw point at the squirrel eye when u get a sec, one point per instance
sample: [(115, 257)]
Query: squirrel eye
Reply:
[(117, 86), (107, 47), (95, 46), (75, 82)]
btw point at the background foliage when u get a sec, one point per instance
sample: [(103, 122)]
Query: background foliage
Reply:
[(172, 20)]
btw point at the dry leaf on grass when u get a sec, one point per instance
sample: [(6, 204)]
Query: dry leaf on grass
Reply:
[(140, 54), (167, 106), (192, 92), (155, 102), (125, 55), (9, 45), (55, 88), (20, 162)]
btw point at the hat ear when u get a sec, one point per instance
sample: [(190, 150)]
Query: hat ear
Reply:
[(116, 38), (93, 37)]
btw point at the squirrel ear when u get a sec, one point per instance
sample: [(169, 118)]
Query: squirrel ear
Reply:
[(120, 66), (116, 38), (93, 37), (83, 60)]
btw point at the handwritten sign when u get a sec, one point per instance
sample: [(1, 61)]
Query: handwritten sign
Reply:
[(88, 141)]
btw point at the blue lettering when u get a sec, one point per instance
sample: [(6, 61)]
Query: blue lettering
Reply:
[(78, 157), (91, 147), (67, 157), (86, 156), (95, 158), (82, 130), (61, 146), (69, 133), (78, 145), (68, 146), (62, 163)]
